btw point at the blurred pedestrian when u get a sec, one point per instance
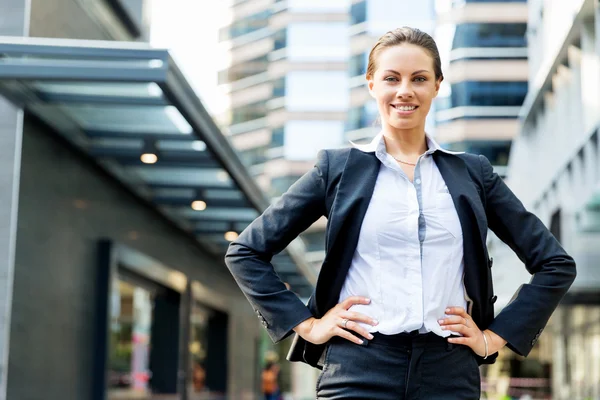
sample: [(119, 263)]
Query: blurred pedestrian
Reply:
[(403, 305), (270, 381)]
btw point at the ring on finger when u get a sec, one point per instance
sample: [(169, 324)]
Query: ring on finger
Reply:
[(344, 322)]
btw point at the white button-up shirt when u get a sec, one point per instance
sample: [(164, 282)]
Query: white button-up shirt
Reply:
[(409, 256)]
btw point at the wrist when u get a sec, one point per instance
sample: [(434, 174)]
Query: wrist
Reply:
[(495, 342), (305, 326)]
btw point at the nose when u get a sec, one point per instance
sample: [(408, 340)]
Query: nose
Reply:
[(405, 90)]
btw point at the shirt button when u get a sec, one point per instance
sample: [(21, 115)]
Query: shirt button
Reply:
[(418, 181)]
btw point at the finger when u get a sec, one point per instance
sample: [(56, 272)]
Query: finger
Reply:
[(347, 335), (460, 328), (358, 317), (350, 301), (457, 311), (353, 326), (459, 340), (455, 319)]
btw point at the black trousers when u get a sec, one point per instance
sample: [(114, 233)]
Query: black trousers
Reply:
[(406, 366)]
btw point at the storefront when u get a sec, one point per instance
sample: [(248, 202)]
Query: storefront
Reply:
[(128, 197)]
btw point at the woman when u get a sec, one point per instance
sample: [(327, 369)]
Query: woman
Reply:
[(403, 306)]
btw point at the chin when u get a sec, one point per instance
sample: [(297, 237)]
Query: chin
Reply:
[(402, 125)]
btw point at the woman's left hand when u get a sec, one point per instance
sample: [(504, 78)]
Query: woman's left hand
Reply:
[(461, 322)]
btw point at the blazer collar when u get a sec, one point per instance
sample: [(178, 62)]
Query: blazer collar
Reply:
[(378, 145)]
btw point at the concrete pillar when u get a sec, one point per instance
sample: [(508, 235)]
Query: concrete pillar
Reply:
[(590, 80), (14, 21)]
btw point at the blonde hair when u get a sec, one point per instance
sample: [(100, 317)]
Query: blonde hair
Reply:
[(406, 35)]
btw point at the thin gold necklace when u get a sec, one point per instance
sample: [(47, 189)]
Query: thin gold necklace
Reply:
[(397, 159), (403, 162)]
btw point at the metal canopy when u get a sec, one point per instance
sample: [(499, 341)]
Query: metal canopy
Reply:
[(119, 100)]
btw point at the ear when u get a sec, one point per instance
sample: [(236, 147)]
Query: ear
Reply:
[(370, 83), (437, 86)]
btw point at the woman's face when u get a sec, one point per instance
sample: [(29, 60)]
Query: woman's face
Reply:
[(404, 85)]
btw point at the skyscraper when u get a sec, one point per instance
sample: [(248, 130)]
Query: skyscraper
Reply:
[(288, 87), (484, 55)]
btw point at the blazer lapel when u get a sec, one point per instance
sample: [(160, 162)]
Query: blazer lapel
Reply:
[(352, 199), (464, 193)]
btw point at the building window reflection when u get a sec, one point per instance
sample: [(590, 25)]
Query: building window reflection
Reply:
[(490, 35), (482, 93), (129, 351)]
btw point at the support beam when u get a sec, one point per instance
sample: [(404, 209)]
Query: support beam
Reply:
[(14, 21)]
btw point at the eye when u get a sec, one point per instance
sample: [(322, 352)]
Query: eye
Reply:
[(391, 79), (420, 79)]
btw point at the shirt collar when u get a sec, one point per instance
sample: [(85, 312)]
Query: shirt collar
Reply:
[(378, 145)]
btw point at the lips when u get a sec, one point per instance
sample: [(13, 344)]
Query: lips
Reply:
[(405, 107)]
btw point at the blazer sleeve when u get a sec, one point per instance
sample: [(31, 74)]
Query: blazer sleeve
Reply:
[(249, 256), (521, 322)]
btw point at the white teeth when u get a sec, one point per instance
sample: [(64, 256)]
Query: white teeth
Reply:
[(405, 108)]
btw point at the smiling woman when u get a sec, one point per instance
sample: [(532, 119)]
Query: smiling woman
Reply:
[(403, 307)]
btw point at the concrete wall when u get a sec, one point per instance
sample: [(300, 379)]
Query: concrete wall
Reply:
[(67, 204)]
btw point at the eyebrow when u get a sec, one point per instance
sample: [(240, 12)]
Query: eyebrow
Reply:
[(414, 73)]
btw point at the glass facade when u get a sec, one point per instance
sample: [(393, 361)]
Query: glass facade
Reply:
[(358, 13), (495, 151), (279, 88), (248, 112), (247, 25), (482, 93), (362, 117), (489, 35), (358, 64), (280, 39)]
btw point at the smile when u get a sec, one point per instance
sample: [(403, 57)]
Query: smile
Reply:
[(404, 109)]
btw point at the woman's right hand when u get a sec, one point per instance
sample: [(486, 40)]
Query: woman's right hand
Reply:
[(319, 331)]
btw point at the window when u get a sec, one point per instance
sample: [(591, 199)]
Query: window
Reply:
[(280, 39), (248, 112), (495, 151), (358, 64), (489, 35), (279, 88), (358, 13), (277, 137), (247, 25), (254, 156), (477, 93), (247, 68), (362, 117)]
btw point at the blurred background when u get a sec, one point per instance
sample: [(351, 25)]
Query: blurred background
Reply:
[(139, 137)]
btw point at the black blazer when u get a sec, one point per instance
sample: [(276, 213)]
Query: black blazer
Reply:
[(340, 187)]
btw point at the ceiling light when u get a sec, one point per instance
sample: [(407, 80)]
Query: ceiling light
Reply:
[(231, 236), (199, 205), (149, 158)]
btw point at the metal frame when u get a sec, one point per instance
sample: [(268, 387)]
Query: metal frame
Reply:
[(26, 59)]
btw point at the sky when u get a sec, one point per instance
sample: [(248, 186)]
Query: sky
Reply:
[(189, 29)]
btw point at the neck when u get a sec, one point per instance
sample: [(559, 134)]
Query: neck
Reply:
[(408, 143)]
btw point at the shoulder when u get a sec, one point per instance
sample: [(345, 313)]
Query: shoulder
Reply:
[(333, 157), (471, 160)]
